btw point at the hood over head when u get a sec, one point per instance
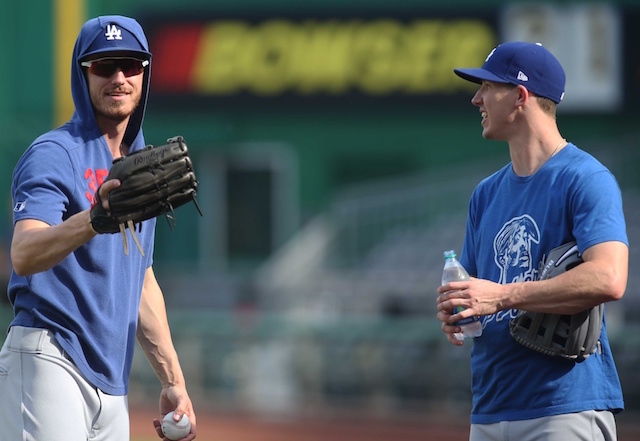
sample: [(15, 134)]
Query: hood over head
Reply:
[(110, 35)]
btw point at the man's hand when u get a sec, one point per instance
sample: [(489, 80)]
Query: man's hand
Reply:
[(479, 297), (175, 398), (104, 190)]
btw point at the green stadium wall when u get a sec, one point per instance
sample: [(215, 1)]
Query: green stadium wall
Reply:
[(336, 142)]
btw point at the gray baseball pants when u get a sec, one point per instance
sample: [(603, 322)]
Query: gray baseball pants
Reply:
[(44, 397), (590, 425)]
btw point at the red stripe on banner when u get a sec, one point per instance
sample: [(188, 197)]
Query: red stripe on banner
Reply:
[(174, 50)]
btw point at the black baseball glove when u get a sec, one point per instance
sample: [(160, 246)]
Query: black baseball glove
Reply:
[(573, 337), (154, 181)]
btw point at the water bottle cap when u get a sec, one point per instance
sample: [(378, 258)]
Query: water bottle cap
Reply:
[(449, 254)]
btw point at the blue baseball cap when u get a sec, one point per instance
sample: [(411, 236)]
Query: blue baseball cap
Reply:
[(117, 36), (521, 63)]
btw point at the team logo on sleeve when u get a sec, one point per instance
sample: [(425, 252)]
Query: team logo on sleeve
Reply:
[(19, 206)]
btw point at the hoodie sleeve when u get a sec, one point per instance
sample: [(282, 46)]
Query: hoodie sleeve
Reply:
[(43, 184)]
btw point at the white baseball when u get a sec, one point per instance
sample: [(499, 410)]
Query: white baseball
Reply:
[(175, 430)]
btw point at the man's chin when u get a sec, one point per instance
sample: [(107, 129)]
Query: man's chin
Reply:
[(117, 115), (486, 134)]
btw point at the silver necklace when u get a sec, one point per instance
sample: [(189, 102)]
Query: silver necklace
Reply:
[(556, 150)]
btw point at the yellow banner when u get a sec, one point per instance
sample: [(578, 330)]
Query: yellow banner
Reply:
[(333, 57)]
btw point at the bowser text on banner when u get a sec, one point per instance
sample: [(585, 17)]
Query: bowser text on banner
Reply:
[(332, 57)]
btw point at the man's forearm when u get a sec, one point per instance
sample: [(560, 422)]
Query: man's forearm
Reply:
[(601, 278), (154, 335), (38, 247)]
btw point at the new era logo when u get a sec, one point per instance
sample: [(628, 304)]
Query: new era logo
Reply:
[(522, 76), (113, 33)]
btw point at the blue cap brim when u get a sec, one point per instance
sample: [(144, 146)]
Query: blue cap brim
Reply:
[(478, 75)]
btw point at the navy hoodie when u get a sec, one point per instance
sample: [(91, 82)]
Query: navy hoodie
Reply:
[(90, 300)]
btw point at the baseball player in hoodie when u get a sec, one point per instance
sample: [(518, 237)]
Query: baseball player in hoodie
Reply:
[(79, 302)]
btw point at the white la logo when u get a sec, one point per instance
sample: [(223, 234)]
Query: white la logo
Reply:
[(489, 56), (113, 33)]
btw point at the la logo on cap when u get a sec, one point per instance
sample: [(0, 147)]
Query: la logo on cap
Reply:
[(491, 53), (113, 33)]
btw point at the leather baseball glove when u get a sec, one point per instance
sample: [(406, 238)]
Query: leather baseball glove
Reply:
[(573, 337), (154, 181)]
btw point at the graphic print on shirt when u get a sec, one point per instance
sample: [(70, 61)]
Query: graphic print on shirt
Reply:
[(95, 180), (512, 254), (512, 249)]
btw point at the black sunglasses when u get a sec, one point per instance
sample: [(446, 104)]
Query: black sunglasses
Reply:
[(105, 67)]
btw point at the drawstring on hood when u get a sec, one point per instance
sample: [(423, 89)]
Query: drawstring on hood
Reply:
[(109, 35)]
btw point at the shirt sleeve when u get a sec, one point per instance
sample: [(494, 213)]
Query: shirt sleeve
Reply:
[(42, 184), (598, 213)]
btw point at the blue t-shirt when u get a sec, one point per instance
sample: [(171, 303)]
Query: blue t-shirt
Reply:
[(512, 222), (90, 300)]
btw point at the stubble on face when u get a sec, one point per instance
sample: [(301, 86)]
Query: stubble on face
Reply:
[(115, 101)]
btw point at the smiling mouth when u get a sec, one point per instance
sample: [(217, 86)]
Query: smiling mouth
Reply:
[(117, 96)]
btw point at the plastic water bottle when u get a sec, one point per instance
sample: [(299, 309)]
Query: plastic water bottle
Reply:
[(455, 272)]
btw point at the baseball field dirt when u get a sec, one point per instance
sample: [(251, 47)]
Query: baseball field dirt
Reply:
[(234, 427)]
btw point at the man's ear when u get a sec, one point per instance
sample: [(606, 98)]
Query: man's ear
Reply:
[(523, 96)]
